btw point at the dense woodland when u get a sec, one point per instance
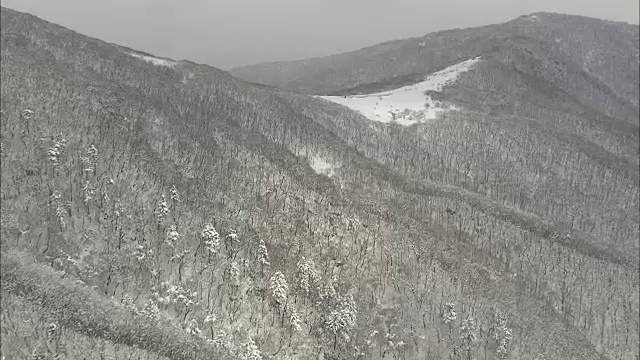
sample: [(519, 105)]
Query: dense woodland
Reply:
[(605, 50), (173, 212)]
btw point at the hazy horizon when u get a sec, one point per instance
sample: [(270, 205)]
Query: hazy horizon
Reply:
[(228, 34)]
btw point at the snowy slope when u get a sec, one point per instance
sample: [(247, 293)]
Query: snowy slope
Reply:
[(406, 105), (154, 60), (323, 167)]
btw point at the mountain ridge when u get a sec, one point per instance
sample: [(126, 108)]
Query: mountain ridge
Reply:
[(426, 35), (399, 227), (339, 63)]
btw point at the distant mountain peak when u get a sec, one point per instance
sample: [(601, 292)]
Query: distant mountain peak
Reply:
[(154, 208), (410, 104)]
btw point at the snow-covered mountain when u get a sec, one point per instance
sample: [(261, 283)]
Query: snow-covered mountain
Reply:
[(410, 104), (162, 209), (155, 60), (607, 51)]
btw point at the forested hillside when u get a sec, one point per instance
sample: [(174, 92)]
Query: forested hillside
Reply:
[(606, 50), (153, 208)]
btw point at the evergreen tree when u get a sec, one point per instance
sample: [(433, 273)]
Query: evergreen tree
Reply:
[(468, 334), (279, 288), (211, 239)]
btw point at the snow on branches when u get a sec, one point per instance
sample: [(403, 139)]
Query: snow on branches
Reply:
[(172, 236), (210, 238), (449, 314), (162, 209), (307, 274), (175, 197), (54, 152), (339, 312), (279, 288), (90, 160), (263, 255), (502, 335)]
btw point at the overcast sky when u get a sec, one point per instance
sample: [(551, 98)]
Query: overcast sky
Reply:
[(228, 33)]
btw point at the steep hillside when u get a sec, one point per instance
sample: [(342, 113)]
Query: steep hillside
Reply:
[(606, 50), (164, 209), (531, 83)]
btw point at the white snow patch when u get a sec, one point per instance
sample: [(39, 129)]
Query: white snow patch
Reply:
[(407, 105), (323, 167), (154, 60), (185, 79)]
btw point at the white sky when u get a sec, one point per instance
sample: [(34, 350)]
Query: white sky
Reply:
[(228, 33)]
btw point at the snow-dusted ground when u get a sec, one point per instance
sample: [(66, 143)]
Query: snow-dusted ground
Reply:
[(533, 18), (322, 166), (406, 105), (154, 60)]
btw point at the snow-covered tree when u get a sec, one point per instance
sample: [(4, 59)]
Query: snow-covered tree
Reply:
[(232, 236), (89, 191), (209, 319), (223, 342), (327, 292), (468, 334), (118, 209), (233, 273), (502, 335), (162, 209), (172, 236), (177, 294), (90, 160), (54, 152), (59, 208), (392, 344), (449, 314), (128, 303), (250, 351), (36, 355), (210, 238), (151, 310), (193, 328), (175, 197), (339, 315), (279, 288), (294, 318), (307, 274), (27, 114), (263, 255), (231, 241), (179, 256), (51, 329)]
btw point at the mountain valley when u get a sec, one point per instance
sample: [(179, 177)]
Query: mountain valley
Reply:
[(469, 194)]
